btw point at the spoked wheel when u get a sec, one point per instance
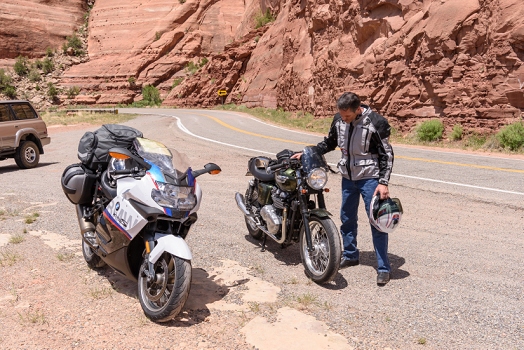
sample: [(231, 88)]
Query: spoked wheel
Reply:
[(322, 263), (163, 296), (93, 260)]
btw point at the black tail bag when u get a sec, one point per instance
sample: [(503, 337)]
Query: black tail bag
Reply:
[(94, 146)]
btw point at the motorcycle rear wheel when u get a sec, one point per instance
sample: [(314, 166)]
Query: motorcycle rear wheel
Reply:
[(254, 231), (163, 298), (322, 264)]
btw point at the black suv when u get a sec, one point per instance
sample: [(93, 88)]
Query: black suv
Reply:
[(23, 134)]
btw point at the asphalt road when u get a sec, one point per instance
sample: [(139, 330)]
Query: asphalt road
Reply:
[(457, 277)]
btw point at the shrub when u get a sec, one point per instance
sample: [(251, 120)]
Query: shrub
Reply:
[(10, 91), (157, 35), (512, 136), (176, 82), (75, 43), (52, 91), (430, 130), (456, 133), (151, 95), (48, 66), (131, 80), (5, 80), (49, 52), (21, 66), (34, 76), (262, 19), (73, 91), (39, 64)]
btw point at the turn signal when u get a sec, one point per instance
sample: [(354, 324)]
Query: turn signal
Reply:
[(214, 172), (304, 191), (326, 189), (118, 155)]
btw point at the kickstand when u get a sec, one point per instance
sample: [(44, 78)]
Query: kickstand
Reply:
[(264, 243)]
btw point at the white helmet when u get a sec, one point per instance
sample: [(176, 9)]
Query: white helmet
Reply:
[(385, 214)]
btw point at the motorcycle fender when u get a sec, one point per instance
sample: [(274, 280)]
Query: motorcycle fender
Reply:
[(321, 213), (172, 244)]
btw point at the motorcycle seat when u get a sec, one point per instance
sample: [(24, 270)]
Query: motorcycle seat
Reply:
[(257, 167), (108, 189)]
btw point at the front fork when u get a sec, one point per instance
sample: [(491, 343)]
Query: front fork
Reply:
[(149, 241)]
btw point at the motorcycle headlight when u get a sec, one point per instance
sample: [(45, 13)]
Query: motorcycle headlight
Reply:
[(175, 197), (317, 178)]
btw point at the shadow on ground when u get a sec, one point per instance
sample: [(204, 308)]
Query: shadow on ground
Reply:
[(204, 291)]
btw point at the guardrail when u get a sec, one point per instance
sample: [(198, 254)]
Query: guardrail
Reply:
[(94, 110)]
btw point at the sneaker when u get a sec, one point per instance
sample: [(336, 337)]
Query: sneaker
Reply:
[(382, 278), (347, 262)]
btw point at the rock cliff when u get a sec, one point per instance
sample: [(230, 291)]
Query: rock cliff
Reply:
[(460, 61)]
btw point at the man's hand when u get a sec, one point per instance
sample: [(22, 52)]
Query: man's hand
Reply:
[(384, 191), (296, 155)]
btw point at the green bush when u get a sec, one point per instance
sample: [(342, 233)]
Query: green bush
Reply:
[(456, 133), (75, 43), (430, 130), (52, 91), (131, 80), (262, 19), (72, 91), (34, 76), (48, 66), (151, 95), (10, 91), (49, 52), (176, 82), (21, 66), (512, 136), (38, 64), (5, 80)]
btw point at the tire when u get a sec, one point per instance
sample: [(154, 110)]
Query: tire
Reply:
[(163, 298), (254, 231), (27, 155), (322, 264), (92, 260)]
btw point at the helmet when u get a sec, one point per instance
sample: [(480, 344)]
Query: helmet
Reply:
[(385, 214)]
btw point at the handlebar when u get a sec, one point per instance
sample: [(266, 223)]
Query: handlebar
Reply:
[(285, 163), (132, 171)]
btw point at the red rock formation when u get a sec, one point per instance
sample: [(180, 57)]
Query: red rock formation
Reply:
[(29, 27), (460, 61)]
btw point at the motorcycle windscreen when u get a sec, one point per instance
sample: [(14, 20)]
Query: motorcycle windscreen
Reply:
[(172, 163), (312, 159)]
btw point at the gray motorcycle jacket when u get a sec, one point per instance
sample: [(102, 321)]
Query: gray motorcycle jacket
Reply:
[(366, 152)]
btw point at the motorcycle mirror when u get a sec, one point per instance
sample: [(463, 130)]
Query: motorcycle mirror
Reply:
[(212, 168)]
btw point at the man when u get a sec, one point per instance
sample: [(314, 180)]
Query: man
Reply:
[(366, 164)]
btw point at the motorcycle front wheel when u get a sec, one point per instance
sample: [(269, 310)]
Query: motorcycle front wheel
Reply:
[(163, 296), (322, 263)]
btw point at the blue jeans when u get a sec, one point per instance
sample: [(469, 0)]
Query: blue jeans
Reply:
[(351, 191)]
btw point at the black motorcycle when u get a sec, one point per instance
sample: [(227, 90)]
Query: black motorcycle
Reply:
[(285, 201)]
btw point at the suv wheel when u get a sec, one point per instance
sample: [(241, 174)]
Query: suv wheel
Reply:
[(27, 155)]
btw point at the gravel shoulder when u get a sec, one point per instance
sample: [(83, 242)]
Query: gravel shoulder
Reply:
[(456, 280)]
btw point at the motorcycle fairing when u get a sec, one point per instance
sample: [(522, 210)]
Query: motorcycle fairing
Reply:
[(172, 244), (124, 217)]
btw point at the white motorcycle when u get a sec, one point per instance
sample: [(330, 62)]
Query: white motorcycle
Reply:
[(135, 218)]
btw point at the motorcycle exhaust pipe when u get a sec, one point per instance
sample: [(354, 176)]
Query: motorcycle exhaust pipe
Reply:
[(240, 203), (85, 226)]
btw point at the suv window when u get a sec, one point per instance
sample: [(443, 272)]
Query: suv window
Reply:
[(23, 111), (5, 113)]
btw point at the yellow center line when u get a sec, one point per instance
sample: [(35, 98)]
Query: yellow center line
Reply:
[(460, 164), (396, 157), (252, 133)]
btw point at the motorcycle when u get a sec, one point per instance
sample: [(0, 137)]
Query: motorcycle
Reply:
[(279, 203), (135, 218)]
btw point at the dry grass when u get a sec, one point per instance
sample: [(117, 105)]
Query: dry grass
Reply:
[(73, 118), (8, 258), (17, 238), (101, 293), (32, 316)]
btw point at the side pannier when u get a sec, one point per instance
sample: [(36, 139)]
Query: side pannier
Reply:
[(78, 184), (94, 146)]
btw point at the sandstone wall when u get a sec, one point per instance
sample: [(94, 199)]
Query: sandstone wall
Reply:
[(29, 27), (461, 61)]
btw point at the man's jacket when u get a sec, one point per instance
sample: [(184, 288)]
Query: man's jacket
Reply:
[(366, 152)]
